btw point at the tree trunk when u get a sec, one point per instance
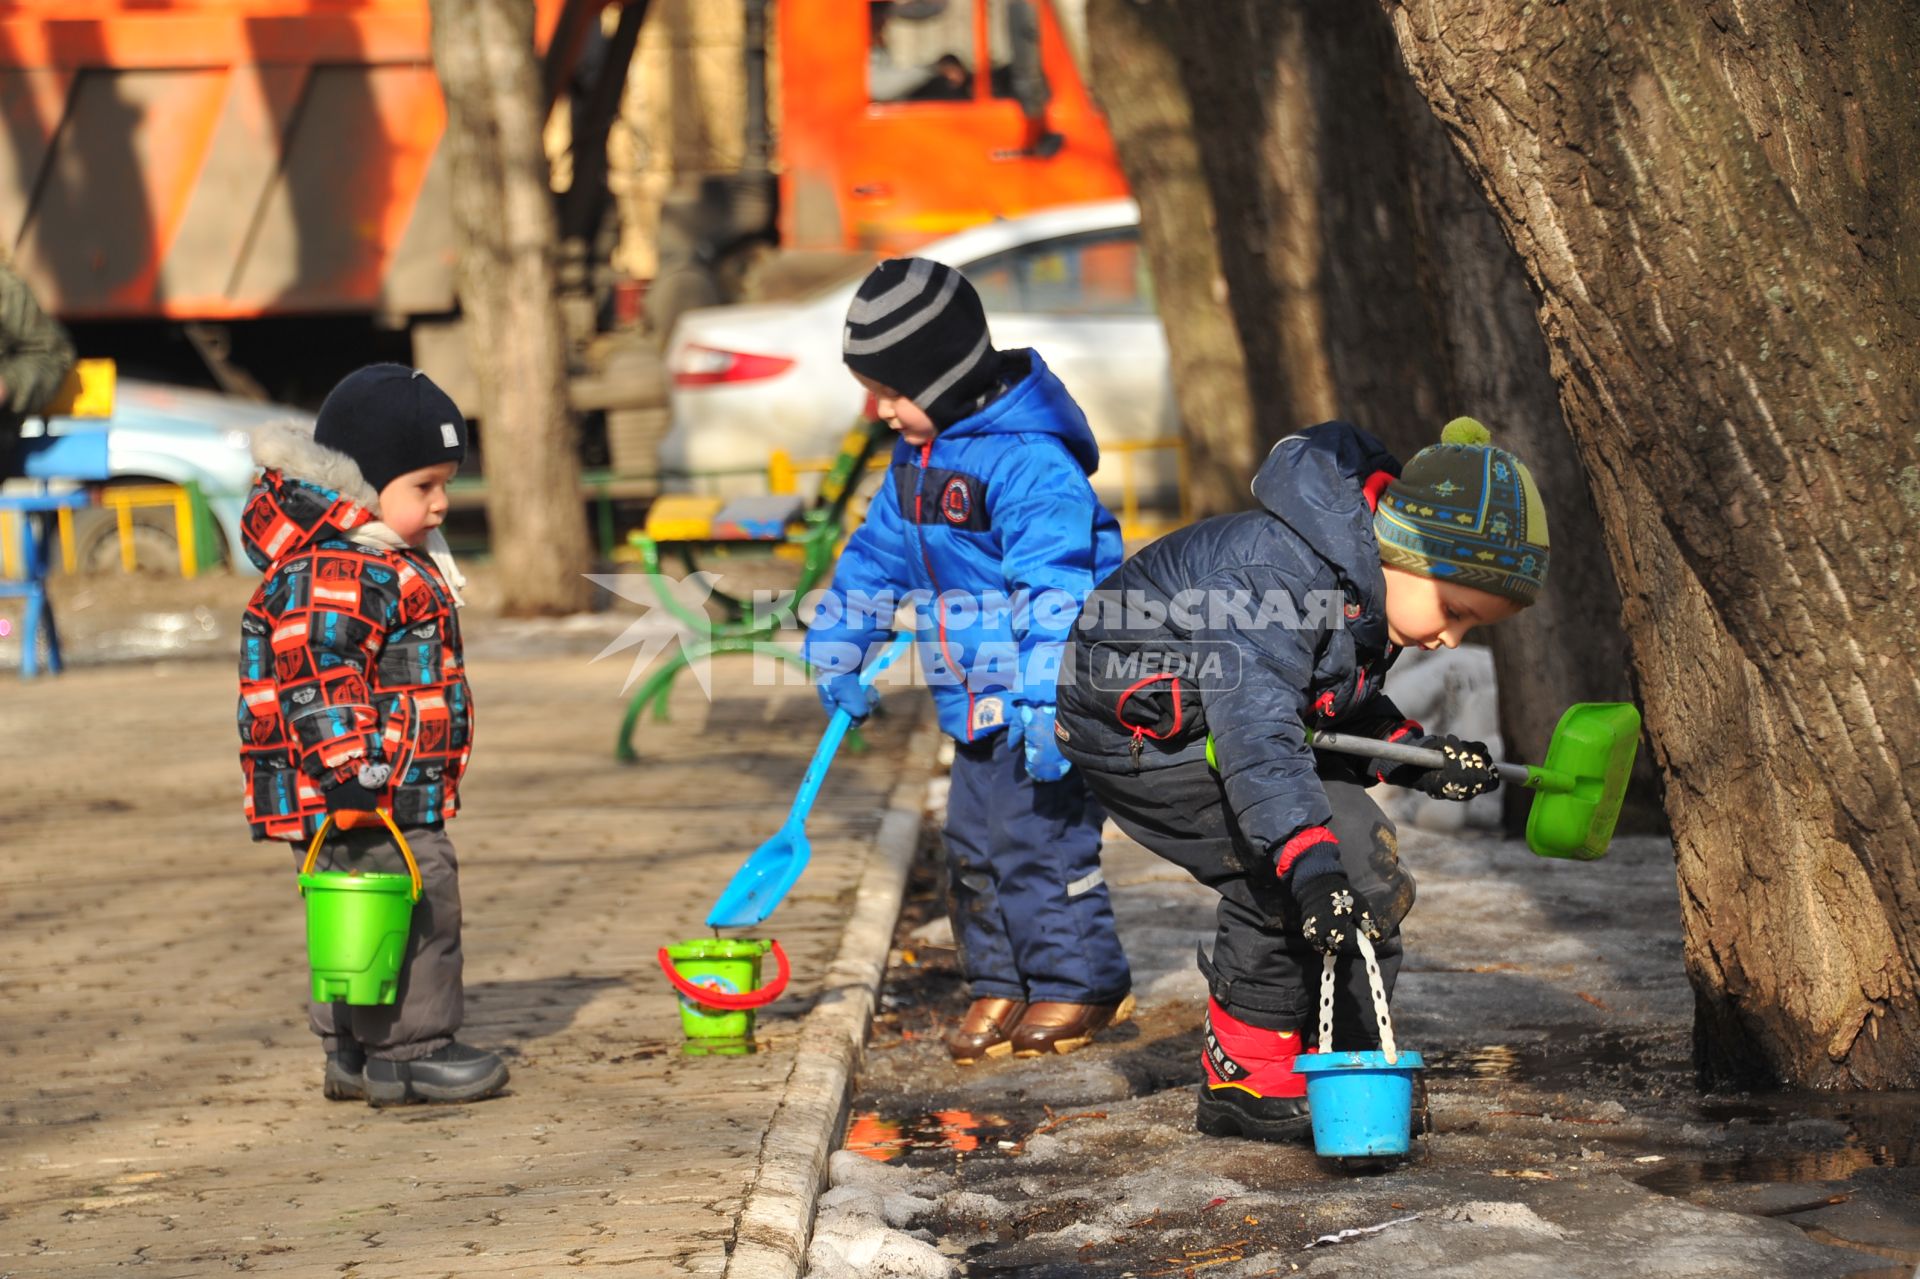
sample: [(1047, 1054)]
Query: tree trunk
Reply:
[(1716, 206), (1304, 151), (504, 217), (1368, 280), (1569, 646), (1137, 80)]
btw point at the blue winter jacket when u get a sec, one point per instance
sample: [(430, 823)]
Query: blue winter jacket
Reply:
[(994, 529), (1250, 627)]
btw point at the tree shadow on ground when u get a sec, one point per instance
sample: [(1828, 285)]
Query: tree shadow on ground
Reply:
[(511, 1014)]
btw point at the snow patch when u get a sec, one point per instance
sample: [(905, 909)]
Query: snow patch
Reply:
[(1506, 1216)]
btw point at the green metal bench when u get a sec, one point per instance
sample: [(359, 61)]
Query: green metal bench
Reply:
[(812, 535)]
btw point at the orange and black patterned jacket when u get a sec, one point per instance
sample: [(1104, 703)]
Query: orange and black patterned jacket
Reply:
[(353, 692)]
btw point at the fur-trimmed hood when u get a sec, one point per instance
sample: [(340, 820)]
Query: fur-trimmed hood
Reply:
[(289, 448), (309, 493)]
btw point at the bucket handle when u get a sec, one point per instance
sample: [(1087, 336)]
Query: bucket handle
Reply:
[(1381, 1016), (719, 998), (413, 867)]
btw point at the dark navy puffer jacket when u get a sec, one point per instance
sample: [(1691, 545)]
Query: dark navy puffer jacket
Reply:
[(1249, 627)]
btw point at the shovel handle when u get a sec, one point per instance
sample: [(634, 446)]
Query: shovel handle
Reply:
[(837, 726), (1401, 753), (413, 867), (721, 999)]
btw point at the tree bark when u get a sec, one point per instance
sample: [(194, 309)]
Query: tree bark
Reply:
[(1569, 646), (1368, 280), (504, 217), (1716, 206), (1137, 81), (1304, 150)]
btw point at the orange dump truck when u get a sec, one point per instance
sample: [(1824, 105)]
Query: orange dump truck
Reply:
[(209, 162), (229, 159)]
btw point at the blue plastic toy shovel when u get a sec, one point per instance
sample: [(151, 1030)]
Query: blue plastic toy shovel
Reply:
[(764, 878)]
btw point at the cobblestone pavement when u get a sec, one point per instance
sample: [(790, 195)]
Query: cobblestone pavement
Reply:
[(161, 1093)]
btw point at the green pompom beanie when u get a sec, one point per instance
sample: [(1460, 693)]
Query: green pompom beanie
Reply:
[(1465, 511)]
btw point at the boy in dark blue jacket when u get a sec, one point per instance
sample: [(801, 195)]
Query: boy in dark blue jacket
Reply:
[(988, 519), (1197, 669)]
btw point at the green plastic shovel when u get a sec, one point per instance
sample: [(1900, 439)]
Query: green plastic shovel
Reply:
[(1577, 792)]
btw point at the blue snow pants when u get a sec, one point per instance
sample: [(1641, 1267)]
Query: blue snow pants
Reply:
[(1030, 908)]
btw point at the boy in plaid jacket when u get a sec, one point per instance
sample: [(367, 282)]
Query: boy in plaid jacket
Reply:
[(354, 700)]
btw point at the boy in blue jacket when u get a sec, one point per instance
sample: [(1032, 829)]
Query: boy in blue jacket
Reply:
[(986, 518), (1197, 671)]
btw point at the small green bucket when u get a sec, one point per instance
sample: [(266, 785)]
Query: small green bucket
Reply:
[(357, 926), (719, 984)]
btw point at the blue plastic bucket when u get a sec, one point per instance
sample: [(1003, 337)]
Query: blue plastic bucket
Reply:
[(1361, 1103)]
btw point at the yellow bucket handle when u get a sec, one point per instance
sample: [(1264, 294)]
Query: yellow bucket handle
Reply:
[(413, 867)]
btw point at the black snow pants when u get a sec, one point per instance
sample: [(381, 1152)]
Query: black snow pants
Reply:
[(1263, 971)]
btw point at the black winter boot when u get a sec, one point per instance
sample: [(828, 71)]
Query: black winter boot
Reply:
[(342, 1081), (1251, 1088), (456, 1072)]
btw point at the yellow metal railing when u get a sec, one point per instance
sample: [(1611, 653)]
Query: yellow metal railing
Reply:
[(122, 501), (783, 473), (1131, 524)]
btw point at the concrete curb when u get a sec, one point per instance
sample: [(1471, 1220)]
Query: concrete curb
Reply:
[(770, 1241)]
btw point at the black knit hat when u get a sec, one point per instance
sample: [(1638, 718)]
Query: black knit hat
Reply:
[(390, 420), (918, 327)]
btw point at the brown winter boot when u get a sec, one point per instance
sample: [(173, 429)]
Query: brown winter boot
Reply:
[(1061, 1028), (985, 1031)]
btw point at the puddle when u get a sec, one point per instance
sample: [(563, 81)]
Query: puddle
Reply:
[(1633, 1063), (1806, 1165), (1876, 1130), (959, 1132)]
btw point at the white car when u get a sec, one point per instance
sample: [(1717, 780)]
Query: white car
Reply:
[(1070, 282)]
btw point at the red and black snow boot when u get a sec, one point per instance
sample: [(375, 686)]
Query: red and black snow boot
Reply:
[(1251, 1088)]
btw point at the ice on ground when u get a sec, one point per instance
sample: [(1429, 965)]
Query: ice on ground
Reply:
[(968, 1205), (846, 1168), (855, 1248), (937, 931), (1506, 1216), (894, 1209), (854, 1232)]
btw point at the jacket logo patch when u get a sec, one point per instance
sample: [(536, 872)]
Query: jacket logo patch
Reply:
[(989, 712), (1352, 611), (956, 501)]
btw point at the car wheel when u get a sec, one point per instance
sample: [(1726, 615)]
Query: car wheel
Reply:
[(96, 542)]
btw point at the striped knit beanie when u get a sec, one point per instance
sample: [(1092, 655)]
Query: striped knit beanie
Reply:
[(1464, 511), (917, 327)]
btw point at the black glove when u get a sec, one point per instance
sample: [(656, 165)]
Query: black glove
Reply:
[(1469, 769), (1332, 915)]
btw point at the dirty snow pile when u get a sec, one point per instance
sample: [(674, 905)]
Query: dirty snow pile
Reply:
[(858, 1232)]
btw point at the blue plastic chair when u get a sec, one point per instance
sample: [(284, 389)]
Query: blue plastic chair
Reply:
[(76, 457)]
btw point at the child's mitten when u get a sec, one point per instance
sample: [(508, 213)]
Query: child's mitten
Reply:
[(1469, 769), (1332, 914), (1032, 731), (844, 692)]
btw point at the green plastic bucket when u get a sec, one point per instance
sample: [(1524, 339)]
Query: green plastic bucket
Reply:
[(718, 981), (357, 926)]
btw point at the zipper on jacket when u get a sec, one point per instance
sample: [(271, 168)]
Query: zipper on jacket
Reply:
[(1140, 731), (939, 610)]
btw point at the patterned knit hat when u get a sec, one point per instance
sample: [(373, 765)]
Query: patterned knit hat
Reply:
[(918, 327), (1464, 511)]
